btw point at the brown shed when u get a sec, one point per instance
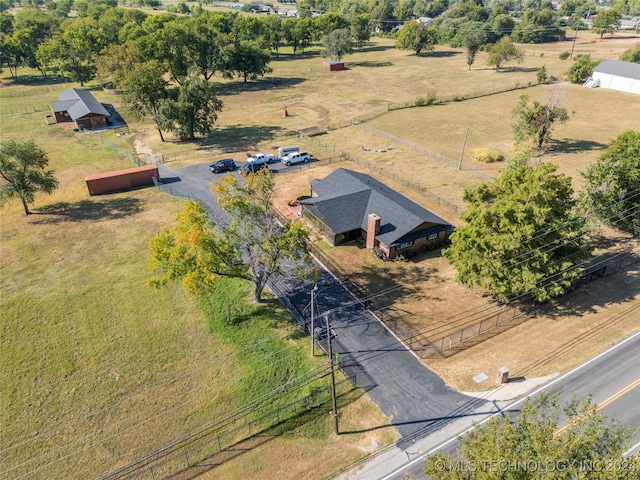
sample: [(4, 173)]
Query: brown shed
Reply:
[(81, 107), (333, 65), (122, 179)]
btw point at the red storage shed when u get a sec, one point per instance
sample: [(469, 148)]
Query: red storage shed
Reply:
[(334, 65), (122, 179)]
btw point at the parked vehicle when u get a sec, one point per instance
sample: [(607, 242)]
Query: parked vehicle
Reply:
[(296, 157), (225, 165), (260, 158), (251, 167), (282, 151)]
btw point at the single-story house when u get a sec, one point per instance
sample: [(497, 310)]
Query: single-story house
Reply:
[(347, 205), (616, 75), (81, 107)]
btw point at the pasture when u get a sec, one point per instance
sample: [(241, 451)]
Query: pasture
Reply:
[(101, 369), (98, 368)]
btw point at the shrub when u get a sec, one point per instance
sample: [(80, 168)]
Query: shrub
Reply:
[(377, 251), (487, 155), (581, 69), (563, 55), (542, 76), (456, 97), (428, 100)]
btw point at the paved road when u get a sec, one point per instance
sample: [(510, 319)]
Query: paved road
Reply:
[(613, 378), (416, 399)]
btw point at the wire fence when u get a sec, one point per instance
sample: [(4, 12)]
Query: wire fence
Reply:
[(9, 112), (213, 442), (385, 173), (207, 152), (131, 156), (452, 333), (454, 97)]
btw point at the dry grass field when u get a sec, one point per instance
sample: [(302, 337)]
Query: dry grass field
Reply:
[(596, 117), (560, 335), (89, 349)]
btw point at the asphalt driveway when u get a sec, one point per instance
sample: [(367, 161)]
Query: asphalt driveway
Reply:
[(416, 399)]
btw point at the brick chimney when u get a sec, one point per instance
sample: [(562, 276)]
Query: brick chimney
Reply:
[(373, 228)]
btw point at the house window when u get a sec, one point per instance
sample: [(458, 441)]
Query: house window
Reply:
[(432, 236), (405, 245)]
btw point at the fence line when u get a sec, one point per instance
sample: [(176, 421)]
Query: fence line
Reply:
[(133, 157), (454, 97), (424, 151), (472, 326), (200, 152), (191, 449), (385, 173)]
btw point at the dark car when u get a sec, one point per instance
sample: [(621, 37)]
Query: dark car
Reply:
[(250, 167), (226, 165)]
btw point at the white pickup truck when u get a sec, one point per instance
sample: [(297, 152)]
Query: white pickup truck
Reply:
[(260, 158), (296, 157)]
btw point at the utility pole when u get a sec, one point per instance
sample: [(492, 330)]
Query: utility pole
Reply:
[(333, 378), (574, 44), (313, 335), (464, 143)]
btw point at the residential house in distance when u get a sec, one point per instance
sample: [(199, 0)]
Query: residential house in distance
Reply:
[(348, 205), (81, 107)]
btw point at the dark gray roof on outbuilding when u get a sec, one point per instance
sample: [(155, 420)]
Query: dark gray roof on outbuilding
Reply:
[(619, 68), (78, 104), (346, 198)]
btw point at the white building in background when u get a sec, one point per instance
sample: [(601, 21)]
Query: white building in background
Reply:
[(616, 75)]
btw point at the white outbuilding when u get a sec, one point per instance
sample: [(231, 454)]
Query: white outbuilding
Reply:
[(616, 75)]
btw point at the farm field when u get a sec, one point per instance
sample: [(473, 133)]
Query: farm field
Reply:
[(98, 368), (89, 345)]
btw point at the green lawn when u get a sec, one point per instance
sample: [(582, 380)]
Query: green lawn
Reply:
[(99, 368)]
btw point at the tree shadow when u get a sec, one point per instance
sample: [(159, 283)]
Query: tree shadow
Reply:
[(442, 54), (286, 57), (513, 68), (89, 210), (238, 138), (615, 284), (298, 425), (370, 64), (571, 145), (270, 83), (376, 48), (34, 80)]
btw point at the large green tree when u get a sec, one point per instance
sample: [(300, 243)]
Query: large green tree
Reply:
[(523, 235), (269, 246), (195, 251), (337, 44), (416, 36), (533, 124), (145, 92), (254, 246), (248, 60), (535, 446), (605, 21), (193, 108), (23, 170), (360, 28), (73, 52), (612, 183), (504, 51)]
